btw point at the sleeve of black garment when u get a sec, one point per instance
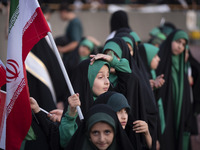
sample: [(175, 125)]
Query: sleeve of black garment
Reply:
[(50, 129), (123, 78)]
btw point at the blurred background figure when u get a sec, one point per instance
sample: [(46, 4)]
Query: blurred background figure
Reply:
[(88, 45), (73, 31), (119, 19)]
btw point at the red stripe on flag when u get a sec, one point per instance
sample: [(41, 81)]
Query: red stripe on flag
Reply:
[(35, 29), (18, 121), (2, 75), (2, 110)]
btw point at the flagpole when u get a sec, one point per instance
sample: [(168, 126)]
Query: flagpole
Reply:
[(64, 72), (40, 107)]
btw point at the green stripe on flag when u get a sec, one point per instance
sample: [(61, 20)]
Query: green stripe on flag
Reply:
[(14, 13)]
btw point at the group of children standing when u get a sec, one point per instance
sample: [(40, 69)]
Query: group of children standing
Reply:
[(133, 95)]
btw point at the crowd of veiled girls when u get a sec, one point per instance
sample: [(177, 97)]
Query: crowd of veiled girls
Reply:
[(134, 95)]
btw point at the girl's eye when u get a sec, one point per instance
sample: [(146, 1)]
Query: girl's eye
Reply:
[(178, 41), (100, 77), (122, 111), (119, 112), (95, 132), (107, 132)]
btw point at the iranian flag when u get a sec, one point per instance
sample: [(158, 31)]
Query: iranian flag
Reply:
[(27, 26)]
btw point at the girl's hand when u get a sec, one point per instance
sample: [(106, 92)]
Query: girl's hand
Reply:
[(159, 81), (73, 102), (108, 58), (140, 126), (151, 83), (34, 105), (55, 115)]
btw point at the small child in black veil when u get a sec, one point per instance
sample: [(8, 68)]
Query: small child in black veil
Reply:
[(119, 104), (100, 130)]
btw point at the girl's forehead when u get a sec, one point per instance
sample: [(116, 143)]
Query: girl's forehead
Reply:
[(182, 40), (103, 69)]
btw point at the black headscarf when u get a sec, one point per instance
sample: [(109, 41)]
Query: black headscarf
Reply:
[(172, 138), (80, 139), (119, 19)]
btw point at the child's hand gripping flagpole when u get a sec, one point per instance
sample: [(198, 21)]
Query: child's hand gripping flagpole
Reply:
[(64, 72)]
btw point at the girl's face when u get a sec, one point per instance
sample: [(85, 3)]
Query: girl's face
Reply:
[(155, 62), (101, 82), (123, 117), (101, 135), (84, 51), (178, 46)]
